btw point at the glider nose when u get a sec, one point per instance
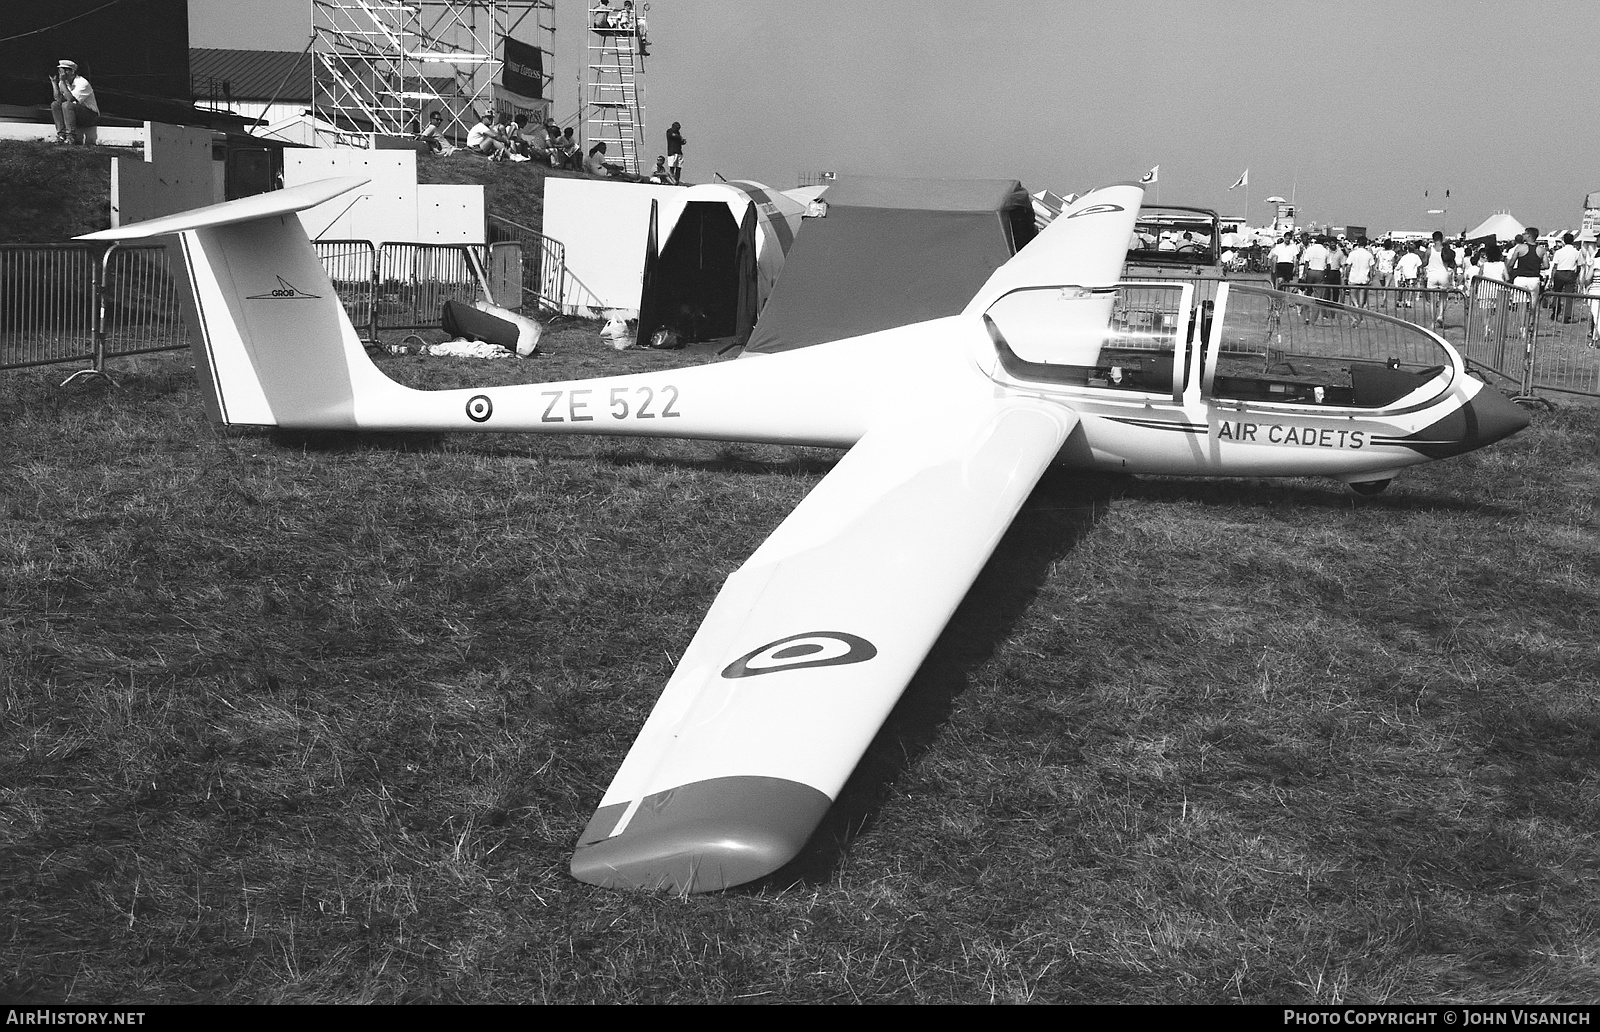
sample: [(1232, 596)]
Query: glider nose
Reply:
[(1491, 416), (1484, 418)]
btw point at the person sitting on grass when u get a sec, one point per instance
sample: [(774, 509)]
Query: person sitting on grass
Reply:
[(596, 164), (434, 136), (570, 156), (524, 145), (482, 139)]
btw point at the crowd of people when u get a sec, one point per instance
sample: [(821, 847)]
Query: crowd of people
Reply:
[(1357, 272), (507, 137), (504, 137)]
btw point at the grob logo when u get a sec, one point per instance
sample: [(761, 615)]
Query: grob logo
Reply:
[(802, 652), (283, 290)]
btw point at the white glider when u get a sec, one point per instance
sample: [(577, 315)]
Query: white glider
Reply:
[(948, 425)]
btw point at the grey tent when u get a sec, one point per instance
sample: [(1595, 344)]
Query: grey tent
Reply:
[(892, 251)]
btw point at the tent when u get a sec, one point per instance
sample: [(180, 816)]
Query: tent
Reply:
[(602, 224), (1500, 225), (1047, 204), (892, 251), (701, 280), (778, 216)]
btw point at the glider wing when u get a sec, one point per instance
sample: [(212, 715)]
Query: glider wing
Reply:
[(810, 643)]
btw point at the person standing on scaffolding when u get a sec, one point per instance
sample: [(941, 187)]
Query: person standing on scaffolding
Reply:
[(675, 142), (632, 22)]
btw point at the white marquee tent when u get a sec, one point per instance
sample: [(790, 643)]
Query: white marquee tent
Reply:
[(1500, 225)]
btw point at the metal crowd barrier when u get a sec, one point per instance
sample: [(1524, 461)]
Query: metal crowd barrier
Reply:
[(1496, 341), (74, 302), (47, 303), (414, 280), (1408, 304), (352, 266), (1543, 343), (140, 311), (1564, 357), (544, 262)]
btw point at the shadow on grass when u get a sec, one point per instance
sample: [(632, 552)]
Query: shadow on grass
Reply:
[(1299, 492), (336, 442), (1062, 510), (691, 455)]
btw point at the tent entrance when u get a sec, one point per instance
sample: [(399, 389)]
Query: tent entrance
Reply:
[(702, 283)]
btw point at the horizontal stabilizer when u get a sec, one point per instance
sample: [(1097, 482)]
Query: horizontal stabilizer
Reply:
[(245, 209)]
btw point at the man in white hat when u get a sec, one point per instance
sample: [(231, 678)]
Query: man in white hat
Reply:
[(73, 105)]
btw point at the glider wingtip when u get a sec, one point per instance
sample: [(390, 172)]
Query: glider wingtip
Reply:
[(702, 837)]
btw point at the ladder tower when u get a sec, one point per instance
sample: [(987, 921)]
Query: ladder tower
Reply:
[(617, 48), (383, 66)]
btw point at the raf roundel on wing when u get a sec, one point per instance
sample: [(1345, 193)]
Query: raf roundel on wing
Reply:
[(801, 652)]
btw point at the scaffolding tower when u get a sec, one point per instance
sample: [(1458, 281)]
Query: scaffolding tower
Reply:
[(618, 45), (384, 67)]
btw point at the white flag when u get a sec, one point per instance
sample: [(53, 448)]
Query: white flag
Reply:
[(1150, 176), (1243, 180)]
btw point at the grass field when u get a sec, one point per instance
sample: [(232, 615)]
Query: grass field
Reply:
[(318, 718)]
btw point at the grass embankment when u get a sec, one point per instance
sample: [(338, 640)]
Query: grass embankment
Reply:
[(290, 717), (50, 194)]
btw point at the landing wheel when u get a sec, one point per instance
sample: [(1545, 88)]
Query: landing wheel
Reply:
[(1369, 487)]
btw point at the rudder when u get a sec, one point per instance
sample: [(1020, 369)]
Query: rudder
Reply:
[(273, 344)]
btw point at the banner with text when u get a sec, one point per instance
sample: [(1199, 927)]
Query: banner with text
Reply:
[(523, 69)]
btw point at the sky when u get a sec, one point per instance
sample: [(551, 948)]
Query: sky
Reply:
[(1364, 112)]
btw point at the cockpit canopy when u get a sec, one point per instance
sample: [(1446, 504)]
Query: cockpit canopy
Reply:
[(1251, 344)]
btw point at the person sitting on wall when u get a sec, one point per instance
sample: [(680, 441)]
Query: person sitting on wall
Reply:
[(661, 176), (482, 139), (73, 104), (595, 164)]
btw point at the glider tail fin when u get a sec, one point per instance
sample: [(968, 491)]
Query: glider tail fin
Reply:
[(272, 343)]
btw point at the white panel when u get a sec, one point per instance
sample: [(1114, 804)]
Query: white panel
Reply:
[(450, 214), (384, 209), (603, 227), (176, 175), (133, 187)]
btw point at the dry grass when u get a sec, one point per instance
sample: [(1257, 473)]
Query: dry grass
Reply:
[(317, 718)]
